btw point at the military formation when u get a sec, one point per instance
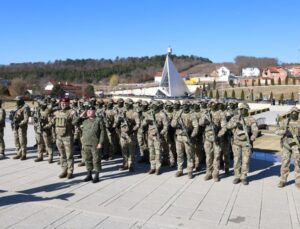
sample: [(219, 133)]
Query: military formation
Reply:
[(200, 135)]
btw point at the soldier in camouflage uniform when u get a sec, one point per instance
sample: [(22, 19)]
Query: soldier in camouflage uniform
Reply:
[(37, 124), (156, 123), (245, 131), (128, 122), (169, 137), (214, 128), (2, 126), (45, 127), (64, 130), (92, 141), (198, 144), (225, 140), (290, 131), (187, 127), (20, 124), (142, 108), (109, 119)]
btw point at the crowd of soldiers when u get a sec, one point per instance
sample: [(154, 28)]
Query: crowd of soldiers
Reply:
[(204, 134)]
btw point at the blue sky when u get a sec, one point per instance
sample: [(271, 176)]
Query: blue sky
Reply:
[(47, 30)]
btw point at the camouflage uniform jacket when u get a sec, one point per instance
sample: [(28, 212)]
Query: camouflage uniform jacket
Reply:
[(161, 120), (239, 135), (63, 122), (214, 124), (187, 120)]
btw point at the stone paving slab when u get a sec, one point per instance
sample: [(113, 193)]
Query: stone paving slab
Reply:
[(32, 196)]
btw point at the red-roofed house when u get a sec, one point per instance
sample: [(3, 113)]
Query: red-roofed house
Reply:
[(70, 88), (294, 70), (274, 73)]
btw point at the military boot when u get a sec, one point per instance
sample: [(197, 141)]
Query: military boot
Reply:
[(50, 160), (178, 173), (131, 169), (2, 156), (157, 172), (96, 178), (151, 171), (88, 177), (142, 159), (297, 185), (216, 178), (123, 168), (69, 176), (281, 184), (17, 157), (63, 174), (172, 164), (245, 181), (208, 177), (23, 158), (38, 159), (190, 174), (236, 180), (81, 164), (227, 172), (197, 168)]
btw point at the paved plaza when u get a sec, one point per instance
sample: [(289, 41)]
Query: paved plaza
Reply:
[(32, 196)]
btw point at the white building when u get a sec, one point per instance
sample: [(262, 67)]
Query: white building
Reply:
[(250, 72), (223, 74)]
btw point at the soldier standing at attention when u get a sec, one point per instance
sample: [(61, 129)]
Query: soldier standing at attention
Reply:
[(92, 141), (289, 130), (128, 122), (187, 127), (64, 130), (245, 130), (214, 128), (156, 123), (20, 124), (46, 131), (2, 126), (37, 124)]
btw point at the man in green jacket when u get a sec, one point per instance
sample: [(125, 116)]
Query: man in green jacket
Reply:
[(92, 140)]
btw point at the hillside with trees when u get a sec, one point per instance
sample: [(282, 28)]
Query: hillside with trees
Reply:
[(129, 70)]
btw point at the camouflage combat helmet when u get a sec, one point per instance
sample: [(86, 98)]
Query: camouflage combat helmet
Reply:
[(243, 106)]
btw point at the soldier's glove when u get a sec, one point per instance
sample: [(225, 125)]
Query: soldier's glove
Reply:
[(163, 132), (288, 134), (206, 122), (239, 126), (193, 135)]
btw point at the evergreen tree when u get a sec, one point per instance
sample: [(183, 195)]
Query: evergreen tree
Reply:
[(279, 81), (214, 85), (286, 80), (259, 82), (57, 91), (271, 95), (242, 95), (225, 94), (210, 94), (233, 94), (260, 96), (272, 81), (294, 81), (217, 94), (292, 96), (252, 82), (266, 82)]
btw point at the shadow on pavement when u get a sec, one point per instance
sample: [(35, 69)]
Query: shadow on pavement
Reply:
[(24, 198)]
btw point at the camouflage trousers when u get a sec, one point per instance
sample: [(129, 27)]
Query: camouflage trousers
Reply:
[(2, 143), (112, 139), (182, 146), (128, 147), (198, 150), (154, 152), (241, 158), (285, 163), (225, 152), (44, 143), (65, 148), (92, 158), (142, 141), (20, 136), (170, 149), (212, 153)]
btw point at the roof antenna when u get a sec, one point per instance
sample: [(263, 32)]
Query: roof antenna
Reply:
[(169, 50)]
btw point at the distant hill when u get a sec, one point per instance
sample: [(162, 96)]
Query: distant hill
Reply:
[(130, 70)]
